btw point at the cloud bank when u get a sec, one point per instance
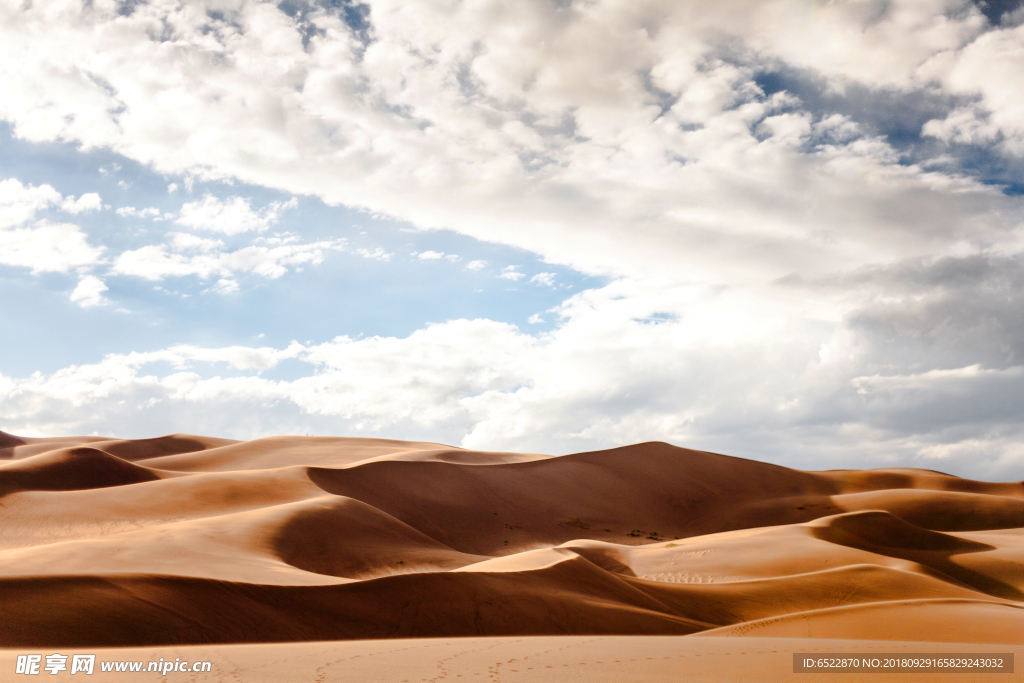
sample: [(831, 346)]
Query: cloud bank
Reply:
[(790, 278)]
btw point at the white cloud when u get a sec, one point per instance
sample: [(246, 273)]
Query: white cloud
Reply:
[(47, 247), (87, 202), (436, 255), (89, 292), (987, 68), (20, 203), (151, 212), (510, 273), (585, 135), (535, 319), (190, 255), (476, 265), (224, 286), (230, 216), (39, 244), (183, 241), (544, 279), (376, 254), (156, 262)]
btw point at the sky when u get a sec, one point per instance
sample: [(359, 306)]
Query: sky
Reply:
[(787, 230)]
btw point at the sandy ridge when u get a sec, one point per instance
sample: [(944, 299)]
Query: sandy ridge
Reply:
[(186, 539)]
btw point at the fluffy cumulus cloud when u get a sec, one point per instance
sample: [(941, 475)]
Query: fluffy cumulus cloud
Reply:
[(229, 216), (789, 278), (47, 247), (89, 292), (987, 70), (28, 241), (592, 114)]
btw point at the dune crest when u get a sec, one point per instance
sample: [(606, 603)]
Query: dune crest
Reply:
[(878, 528), (8, 442), (161, 446), (189, 539), (70, 469)]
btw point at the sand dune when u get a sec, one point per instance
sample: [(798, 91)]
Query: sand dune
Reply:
[(939, 510), (38, 517), (71, 469), (185, 539), (127, 449), (948, 621), (274, 451)]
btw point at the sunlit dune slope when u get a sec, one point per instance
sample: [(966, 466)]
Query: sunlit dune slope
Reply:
[(187, 539)]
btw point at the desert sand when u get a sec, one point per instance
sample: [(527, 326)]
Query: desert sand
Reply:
[(645, 557)]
